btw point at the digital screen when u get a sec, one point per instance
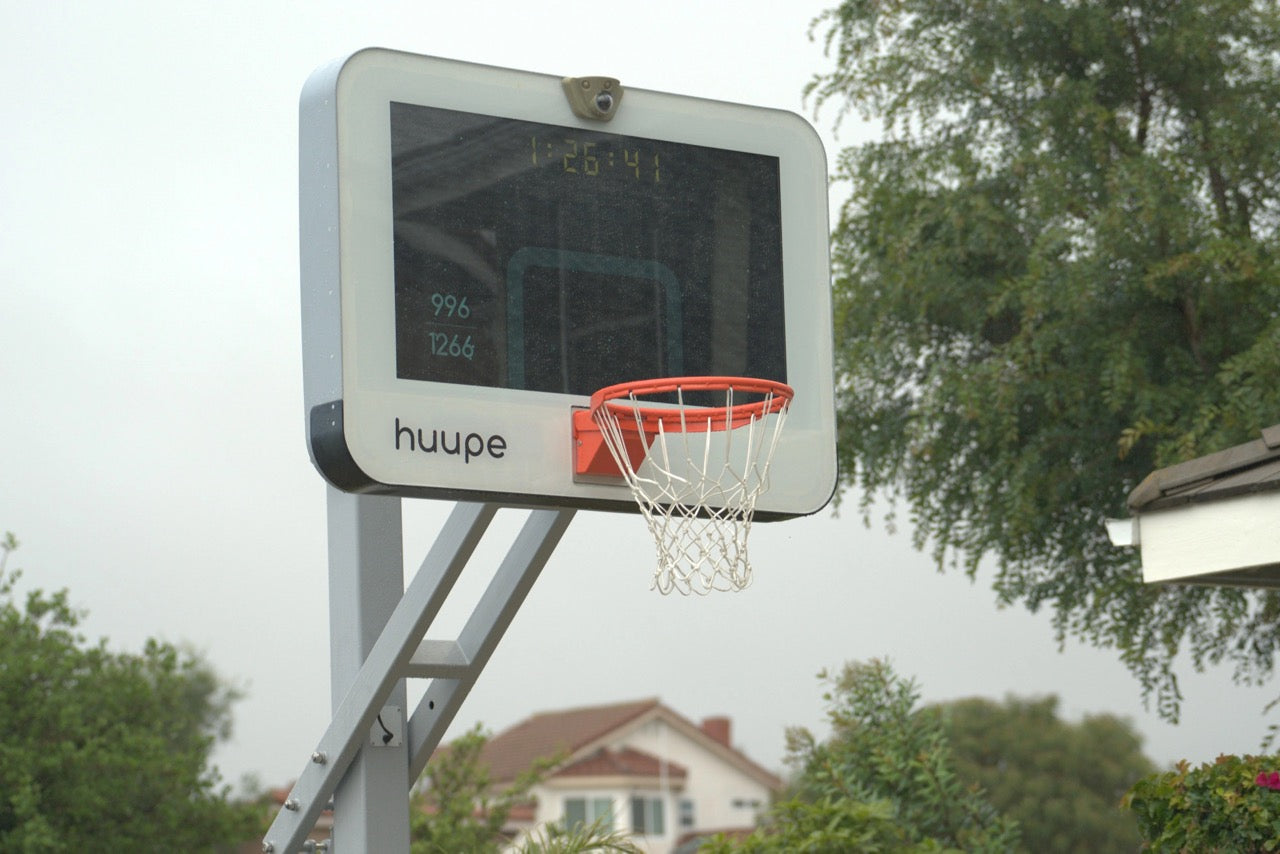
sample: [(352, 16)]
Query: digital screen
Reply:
[(532, 256)]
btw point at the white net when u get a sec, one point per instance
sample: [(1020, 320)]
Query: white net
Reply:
[(697, 486)]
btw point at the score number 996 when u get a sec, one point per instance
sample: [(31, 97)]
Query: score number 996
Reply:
[(451, 345)]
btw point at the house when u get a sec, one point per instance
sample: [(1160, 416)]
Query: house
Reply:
[(639, 766), (1211, 520)]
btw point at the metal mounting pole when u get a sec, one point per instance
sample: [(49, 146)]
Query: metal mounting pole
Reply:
[(366, 581), (369, 769)]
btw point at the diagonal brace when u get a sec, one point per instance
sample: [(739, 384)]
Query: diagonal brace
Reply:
[(384, 666), (400, 651), (484, 628)]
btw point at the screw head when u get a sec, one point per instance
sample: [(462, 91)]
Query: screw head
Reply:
[(319, 758)]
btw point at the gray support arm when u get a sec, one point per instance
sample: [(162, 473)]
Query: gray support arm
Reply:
[(400, 651), (486, 626)]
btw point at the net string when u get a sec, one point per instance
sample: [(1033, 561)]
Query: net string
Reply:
[(696, 494)]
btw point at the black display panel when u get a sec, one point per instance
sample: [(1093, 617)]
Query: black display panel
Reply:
[(532, 256)]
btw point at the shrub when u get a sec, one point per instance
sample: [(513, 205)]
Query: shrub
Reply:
[(1229, 805)]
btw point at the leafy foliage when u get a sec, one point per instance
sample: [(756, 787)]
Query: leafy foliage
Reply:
[(884, 748), (828, 825), (555, 838), (460, 809), (105, 747), (1057, 271), (1061, 782), (885, 780), (1220, 806)]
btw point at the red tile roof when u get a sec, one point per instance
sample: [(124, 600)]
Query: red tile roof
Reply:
[(526, 812), (627, 762), (550, 734), (573, 734)]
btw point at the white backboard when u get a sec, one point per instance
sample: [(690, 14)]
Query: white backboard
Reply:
[(477, 259)]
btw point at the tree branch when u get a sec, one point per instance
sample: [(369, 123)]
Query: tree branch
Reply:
[(1195, 334), (1144, 91)]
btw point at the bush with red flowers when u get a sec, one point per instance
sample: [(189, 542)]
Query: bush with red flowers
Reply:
[(1231, 804)]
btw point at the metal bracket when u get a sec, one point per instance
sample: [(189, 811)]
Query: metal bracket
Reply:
[(595, 98), (400, 651)]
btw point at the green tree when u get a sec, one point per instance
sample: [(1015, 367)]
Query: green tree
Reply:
[(885, 779), (1061, 782), (461, 809), (106, 748), (827, 826), (1057, 271)]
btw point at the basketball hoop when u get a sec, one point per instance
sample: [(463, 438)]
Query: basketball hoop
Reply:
[(694, 469)]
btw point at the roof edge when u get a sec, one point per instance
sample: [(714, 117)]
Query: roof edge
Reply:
[(731, 754), (1155, 490)]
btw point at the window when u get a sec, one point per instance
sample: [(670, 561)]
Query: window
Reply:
[(588, 810), (686, 813), (647, 817)]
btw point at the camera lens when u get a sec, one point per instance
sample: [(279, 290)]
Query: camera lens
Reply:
[(604, 102)]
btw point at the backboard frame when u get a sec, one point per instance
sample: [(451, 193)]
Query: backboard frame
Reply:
[(366, 426)]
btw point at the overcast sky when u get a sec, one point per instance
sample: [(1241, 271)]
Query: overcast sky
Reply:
[(152, 448)]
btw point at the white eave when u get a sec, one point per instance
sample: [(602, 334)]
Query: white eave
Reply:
[(1214, 520), (1234, 541)]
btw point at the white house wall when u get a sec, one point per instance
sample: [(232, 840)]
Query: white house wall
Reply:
[(551, 797), (723, 795)]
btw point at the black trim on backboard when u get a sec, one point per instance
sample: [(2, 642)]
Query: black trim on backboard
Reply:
[(331, 455)]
